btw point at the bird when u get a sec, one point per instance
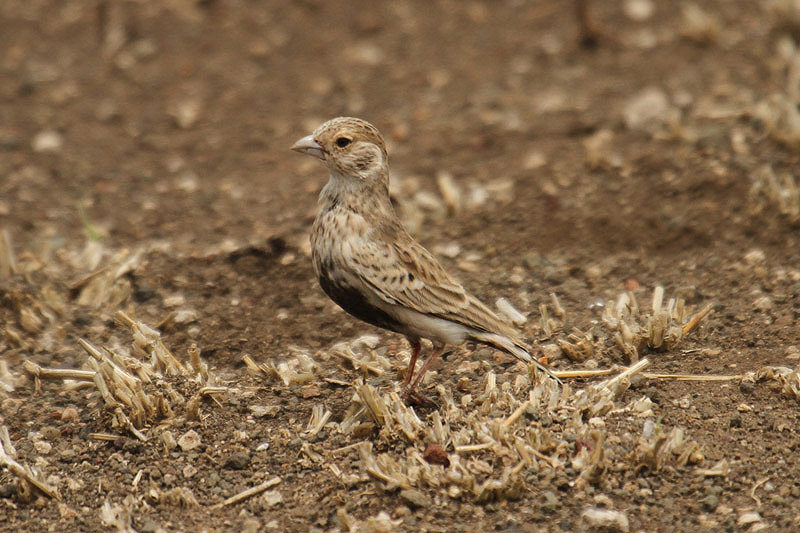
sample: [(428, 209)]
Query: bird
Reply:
[(368, 263)]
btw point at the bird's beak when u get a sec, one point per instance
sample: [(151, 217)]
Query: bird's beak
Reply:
[(307, 145)]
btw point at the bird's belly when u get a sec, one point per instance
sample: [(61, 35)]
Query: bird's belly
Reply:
[(438, 330), (355, 303)]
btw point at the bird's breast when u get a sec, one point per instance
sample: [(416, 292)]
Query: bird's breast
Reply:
[(334, 238)]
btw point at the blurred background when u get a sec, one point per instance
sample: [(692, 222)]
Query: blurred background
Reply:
[(171, 120)]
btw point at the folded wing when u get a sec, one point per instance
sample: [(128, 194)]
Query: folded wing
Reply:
[(404, 273)]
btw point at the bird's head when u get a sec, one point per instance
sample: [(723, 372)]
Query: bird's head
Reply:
[(351, 148)]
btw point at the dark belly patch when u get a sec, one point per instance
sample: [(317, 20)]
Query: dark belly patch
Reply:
[(354, 303)]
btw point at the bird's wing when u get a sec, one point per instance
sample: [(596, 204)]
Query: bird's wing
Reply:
[(404, 273)]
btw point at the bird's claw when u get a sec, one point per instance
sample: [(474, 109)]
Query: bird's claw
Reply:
[(413, 398)]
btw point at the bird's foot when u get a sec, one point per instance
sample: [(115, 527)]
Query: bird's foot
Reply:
[(412, 398)]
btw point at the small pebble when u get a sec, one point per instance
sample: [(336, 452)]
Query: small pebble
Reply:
[(763, 304), (189, 440), (748, 517), (710, 503), (435, 455), (149, 526), (266, 411), (7, 490), (47, 141), (637, 381), (67, 455), (415, 498), (605, 520), (251, 525), (755, 257), (649, 110), (551, 501), (51, 433), (168, 440), (42, 446), (69, 413), (133, 446), (639, 10), (187, 112), (363, 430), (237, 461), (272, 498)]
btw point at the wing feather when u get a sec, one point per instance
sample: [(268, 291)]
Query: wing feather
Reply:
[(405, 273)]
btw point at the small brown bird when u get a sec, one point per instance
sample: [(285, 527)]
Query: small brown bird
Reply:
[(372, 268)]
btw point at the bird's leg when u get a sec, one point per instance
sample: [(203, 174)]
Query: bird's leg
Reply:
[(416, 346), (588, 33), (437, 351)]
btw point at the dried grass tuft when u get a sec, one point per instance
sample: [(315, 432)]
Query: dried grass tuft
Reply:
[(483, 448), (633, 329), (299, 369), (789, 378), (770, 190), (135, 386), (662, 327), (658, 448), (360, 354)]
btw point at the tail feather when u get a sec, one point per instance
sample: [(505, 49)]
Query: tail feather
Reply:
[(510, 347)]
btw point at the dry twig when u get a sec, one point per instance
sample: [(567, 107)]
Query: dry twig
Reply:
[(252, 491), (23, 473)]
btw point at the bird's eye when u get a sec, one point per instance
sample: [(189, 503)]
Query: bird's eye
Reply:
[(341, 142)]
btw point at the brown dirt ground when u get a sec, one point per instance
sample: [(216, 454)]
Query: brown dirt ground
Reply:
[(167, 124)]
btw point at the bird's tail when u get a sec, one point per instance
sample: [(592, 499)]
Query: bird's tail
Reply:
[(507, 345)]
